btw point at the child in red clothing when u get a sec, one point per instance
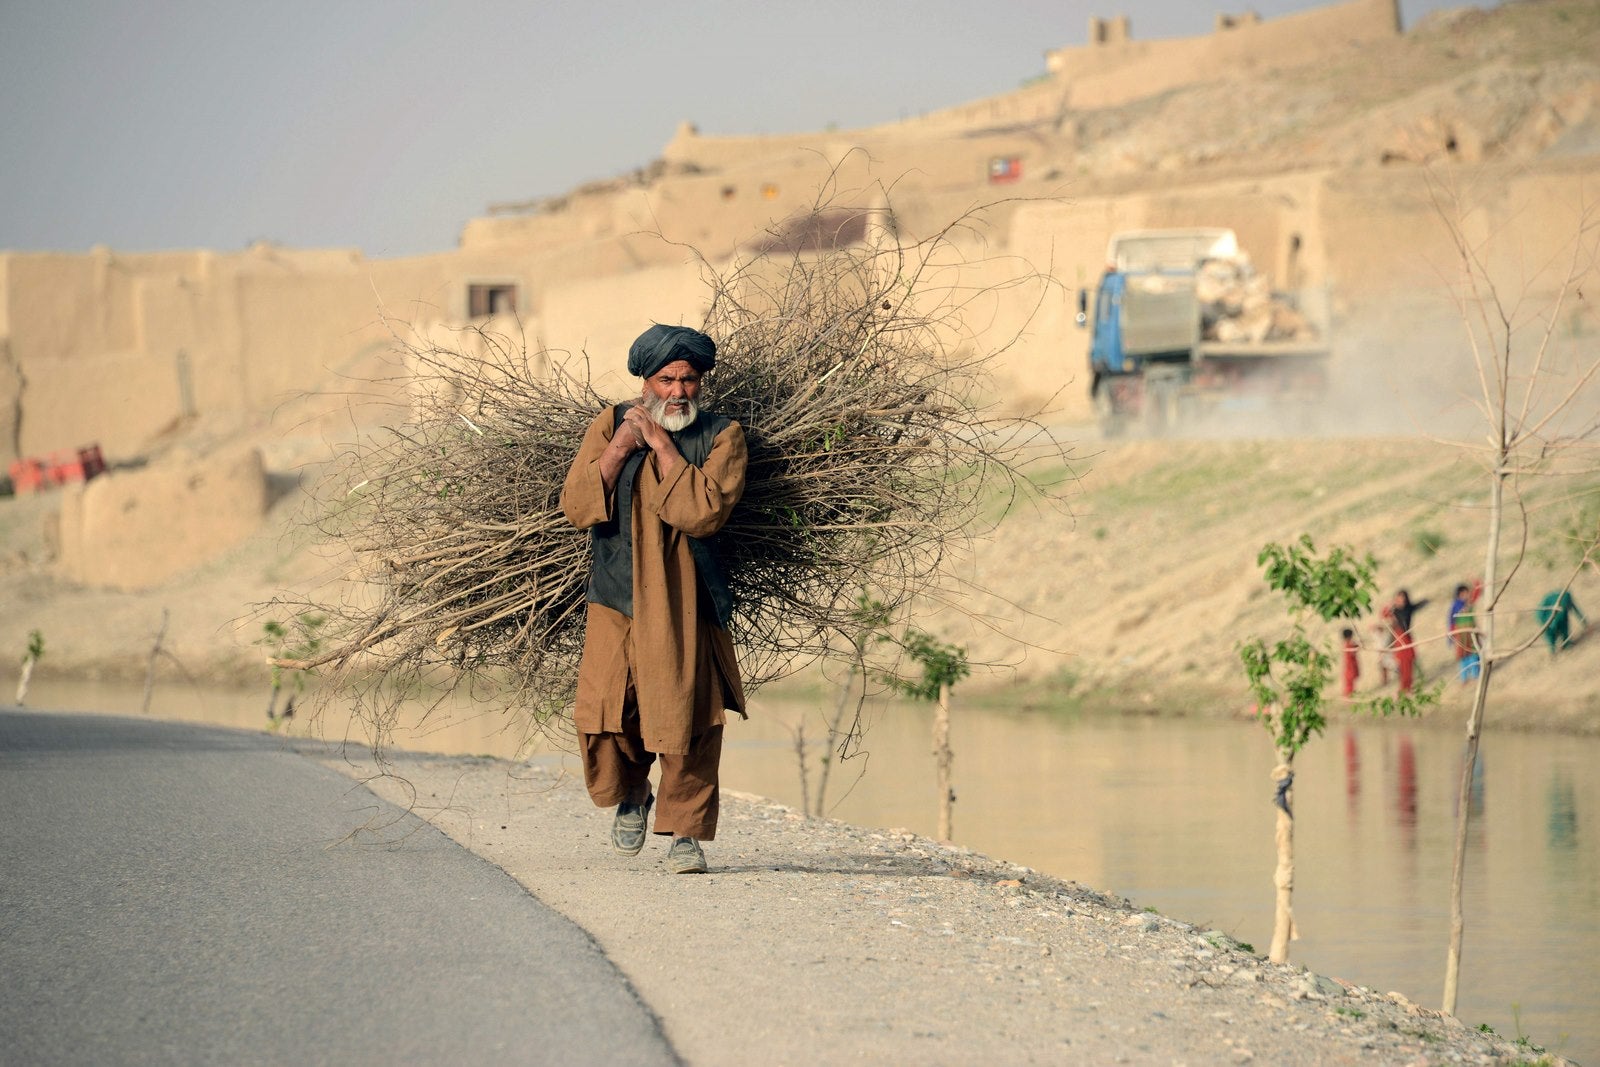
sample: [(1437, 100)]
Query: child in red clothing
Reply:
[(1352, 664), (1400, 613), (1384, 628)]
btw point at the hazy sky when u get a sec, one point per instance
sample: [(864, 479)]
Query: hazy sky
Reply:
[(385, 126)]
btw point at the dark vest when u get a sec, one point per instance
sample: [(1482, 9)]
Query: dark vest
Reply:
[(611, 542)]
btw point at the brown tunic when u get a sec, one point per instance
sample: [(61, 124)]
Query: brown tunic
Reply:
[(682, 663)]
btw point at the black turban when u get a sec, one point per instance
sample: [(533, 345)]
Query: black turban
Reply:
[(660, 345)]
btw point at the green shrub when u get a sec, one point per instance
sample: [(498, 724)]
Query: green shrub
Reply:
[(1427, 542)]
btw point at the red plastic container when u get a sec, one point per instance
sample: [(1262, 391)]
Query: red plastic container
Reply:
[(27, 475), (65, 467), (31, 474)]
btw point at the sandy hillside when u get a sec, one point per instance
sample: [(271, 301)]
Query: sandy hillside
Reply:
[(1137, 595)]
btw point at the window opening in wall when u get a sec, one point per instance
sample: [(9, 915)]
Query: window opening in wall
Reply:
[(1005, 169), (728, 192), (486, 300)]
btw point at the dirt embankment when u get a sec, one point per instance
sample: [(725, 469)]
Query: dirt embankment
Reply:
[(1139, 596), (1131, 597)]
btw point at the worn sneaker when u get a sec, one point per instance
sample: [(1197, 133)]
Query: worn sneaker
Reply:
[(685, 857), (628, 828)]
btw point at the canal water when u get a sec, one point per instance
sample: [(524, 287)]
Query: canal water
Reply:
[(1175, 814)]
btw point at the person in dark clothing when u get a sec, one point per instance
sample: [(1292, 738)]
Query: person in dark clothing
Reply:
[(653, 479), (1405, 649), (1552, 616)]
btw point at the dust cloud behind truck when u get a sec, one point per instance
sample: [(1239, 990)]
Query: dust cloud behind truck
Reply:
[(1184, 328)]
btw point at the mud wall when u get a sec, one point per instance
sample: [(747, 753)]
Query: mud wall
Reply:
[(1117, 72), (138, 529)]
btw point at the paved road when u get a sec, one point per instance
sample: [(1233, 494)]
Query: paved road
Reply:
[(183, 894)]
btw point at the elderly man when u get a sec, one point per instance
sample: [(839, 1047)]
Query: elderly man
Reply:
[(652, 481)]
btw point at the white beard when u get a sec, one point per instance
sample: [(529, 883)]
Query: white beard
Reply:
[(657, 408)]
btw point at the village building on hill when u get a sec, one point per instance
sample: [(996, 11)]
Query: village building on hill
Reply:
[(1314, 137)]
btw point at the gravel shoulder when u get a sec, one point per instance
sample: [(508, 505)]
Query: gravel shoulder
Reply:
[(814, 941)]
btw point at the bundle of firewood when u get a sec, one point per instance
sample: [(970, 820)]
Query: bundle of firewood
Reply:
[(870, 460)]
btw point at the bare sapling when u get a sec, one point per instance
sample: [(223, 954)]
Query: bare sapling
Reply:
[(800, 759), (1531, 331), (871, 619), (150, 665)]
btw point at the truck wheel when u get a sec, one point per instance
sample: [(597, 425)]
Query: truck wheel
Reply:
[(1112, 422), (1160, 408)]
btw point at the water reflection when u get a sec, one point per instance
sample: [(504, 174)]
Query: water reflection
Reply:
[(1352, 772), (1406, 791), (1561, 822), (1176, 814)]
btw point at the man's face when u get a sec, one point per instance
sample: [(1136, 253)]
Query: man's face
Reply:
[(672, 395)]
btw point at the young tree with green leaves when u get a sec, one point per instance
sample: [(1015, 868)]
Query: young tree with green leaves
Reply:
[(297, 640), (32, 656), (1289, 677), (942, 667)]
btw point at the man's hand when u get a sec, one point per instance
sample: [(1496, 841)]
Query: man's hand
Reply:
[(637, 430), (649, 431), (629, 438), (624, 443), (652, 434)]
